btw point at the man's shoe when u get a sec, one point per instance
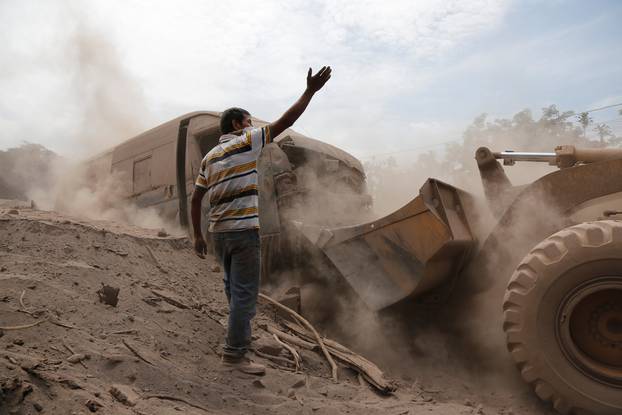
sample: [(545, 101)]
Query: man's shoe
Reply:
[(244, 365)]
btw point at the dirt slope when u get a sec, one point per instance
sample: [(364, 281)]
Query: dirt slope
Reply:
[(160, 345)]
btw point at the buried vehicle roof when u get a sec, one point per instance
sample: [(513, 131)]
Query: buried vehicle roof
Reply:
[(324, 148), (152, 138)]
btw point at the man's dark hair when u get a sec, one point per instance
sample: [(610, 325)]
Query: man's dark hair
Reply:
[(227, 117)]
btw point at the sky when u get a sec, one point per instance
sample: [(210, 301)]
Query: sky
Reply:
[(408, 76)]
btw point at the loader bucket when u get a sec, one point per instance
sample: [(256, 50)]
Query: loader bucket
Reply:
[(405, 254)]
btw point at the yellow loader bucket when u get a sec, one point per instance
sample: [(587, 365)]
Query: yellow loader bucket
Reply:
[(406, 253)]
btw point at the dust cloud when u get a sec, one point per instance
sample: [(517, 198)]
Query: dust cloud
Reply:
[(460, 342), (105, 198), (51, 182), (330, 199), (110, 108), (23, 168)]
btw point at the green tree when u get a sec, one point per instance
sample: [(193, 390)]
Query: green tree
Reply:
[(456, 164), (603, 131), (585, 120), (521, 133)]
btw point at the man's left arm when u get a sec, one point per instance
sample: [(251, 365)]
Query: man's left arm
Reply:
[(195, 213)]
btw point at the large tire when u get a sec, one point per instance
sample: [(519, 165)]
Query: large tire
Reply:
[(563, 319)]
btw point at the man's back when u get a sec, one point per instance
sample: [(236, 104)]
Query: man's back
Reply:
[(229, 174)]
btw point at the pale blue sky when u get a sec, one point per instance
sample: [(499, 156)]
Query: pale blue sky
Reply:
[(78, 76)]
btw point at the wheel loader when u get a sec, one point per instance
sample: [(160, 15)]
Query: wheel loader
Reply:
[(549, 252)]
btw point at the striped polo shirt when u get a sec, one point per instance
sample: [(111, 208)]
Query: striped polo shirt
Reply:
[(229, 173)]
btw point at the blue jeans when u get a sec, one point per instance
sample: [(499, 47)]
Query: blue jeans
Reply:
[(239, 255)]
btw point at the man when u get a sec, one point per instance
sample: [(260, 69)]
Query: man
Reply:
[(228, 175)]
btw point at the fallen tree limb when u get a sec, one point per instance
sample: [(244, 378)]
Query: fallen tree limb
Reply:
[(68, 348), (49, 319), (67, 326), (21, 300), (24, 309), (176, 399), (293, 351), (163, 328), (170, 298), (308, 326), (155, 260), (370, 372), (130, 331), (210, 309), (30, 313), (133, 350), (25, 326), (276, 359), (120, 253), (297, 341), (74, 353), (301, 331), (275, 365), (21, 359)]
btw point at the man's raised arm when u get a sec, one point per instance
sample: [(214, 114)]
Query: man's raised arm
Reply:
[(314, 84)]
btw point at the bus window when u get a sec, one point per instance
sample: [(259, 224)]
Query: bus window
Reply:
[(142, 175)]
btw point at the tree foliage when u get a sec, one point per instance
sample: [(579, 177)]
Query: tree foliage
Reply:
[(522, 132), (23, 166)]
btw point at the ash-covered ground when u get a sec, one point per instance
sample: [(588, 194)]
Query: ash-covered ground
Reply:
[(158, 350)]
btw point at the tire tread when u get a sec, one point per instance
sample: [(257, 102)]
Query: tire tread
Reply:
[(547, 252)]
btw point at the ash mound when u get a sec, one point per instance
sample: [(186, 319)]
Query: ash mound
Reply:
[(64, 350)]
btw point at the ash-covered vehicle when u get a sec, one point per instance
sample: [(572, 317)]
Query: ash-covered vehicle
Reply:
[(553, 257)]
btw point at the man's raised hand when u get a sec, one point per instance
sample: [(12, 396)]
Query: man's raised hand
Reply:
[(317, 81), (314, 84)]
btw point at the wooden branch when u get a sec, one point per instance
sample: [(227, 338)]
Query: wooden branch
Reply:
[(68, 348), (370, 372), (275, 365), (297, 341), (155, 260), (163, 328), (130, 331), (21, 300), (276, 359), (299, 330), (133, 350), (50, 319), (308, 326), (38, 313), (30, 313), (176, 399), (170, 298), (25, 326), (58, 323), (73, 353), (23, 309), (291, 350), (56, 348)]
